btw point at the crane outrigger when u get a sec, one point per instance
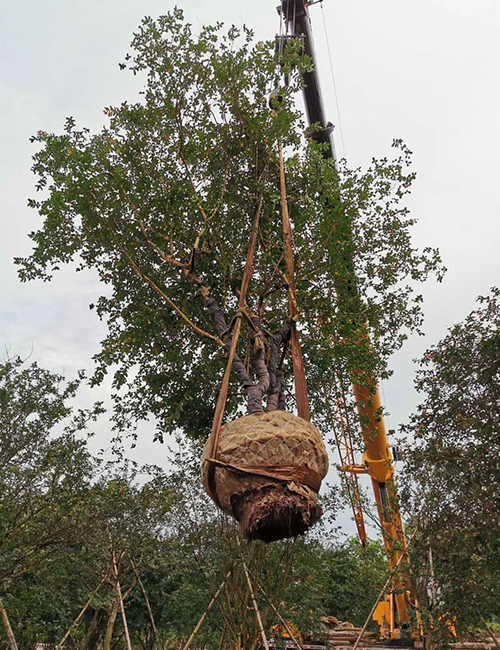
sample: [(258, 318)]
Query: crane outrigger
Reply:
[(394, 613)]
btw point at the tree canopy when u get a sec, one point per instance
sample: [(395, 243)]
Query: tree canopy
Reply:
[(161, 202), (452, 491), (45, 466)]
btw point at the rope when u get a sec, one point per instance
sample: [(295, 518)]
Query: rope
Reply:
[(299, 374), (222, 399), (297, 358), (287, 473)]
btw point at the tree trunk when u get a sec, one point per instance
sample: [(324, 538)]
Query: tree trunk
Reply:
[(8, 629), (111, 625), (94, 632)]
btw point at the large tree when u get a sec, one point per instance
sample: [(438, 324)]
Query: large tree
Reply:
[(161, 203), (452, 492)]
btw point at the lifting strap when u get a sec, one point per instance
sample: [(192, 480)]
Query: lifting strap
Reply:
[(299, 374), (222, 399), (297, 358)]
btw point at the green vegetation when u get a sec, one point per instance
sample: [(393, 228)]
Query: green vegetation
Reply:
[(160, 204), (67, 517), (452, 491)]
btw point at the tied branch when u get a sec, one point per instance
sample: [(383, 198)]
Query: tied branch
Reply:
[(267, 348)]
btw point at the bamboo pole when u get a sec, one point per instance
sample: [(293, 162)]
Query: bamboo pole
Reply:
[(122, 606), (433, 582), (150, 612), (206, 612), (491, 633), (255, 607), (8, 629), (282, 620), (80, 615)]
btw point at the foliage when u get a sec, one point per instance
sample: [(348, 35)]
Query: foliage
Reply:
[(44, 465), (453, 469), (354, 580), (161, 201), (171, 544)]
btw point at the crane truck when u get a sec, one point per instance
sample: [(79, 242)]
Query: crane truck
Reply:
[(397, 612)]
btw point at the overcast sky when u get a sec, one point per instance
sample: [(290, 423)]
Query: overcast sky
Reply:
[(426, 71)]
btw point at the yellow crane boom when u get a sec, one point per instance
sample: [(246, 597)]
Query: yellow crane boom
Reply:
[(393, 614)]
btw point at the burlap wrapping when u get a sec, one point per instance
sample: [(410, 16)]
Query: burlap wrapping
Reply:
[(269, 441)]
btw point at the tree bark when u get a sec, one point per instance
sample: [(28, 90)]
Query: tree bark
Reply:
[(93, 632), (275, 375), (253, 390), (270, 377), (8, 629)]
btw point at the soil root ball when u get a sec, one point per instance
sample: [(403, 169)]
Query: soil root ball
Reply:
[(267, 472)]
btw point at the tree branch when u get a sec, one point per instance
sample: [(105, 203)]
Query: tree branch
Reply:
[(166, 258), (170, 302), (220, 325)]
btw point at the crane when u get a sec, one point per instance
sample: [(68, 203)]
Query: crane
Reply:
[(394, 613)]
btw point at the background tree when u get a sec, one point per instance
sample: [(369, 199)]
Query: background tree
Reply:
[(354, 578), (173, 546), (45, 466), (452, 491)]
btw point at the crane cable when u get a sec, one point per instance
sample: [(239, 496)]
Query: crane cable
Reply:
[(332, 73)]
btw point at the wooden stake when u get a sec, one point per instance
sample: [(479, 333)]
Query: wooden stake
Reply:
[(120, 601), (80, 615), (206, 612), (255, 607), (8, 629), (282, 620), (145, 597)]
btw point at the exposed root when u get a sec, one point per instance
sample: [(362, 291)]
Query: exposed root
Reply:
[(276, 512)]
